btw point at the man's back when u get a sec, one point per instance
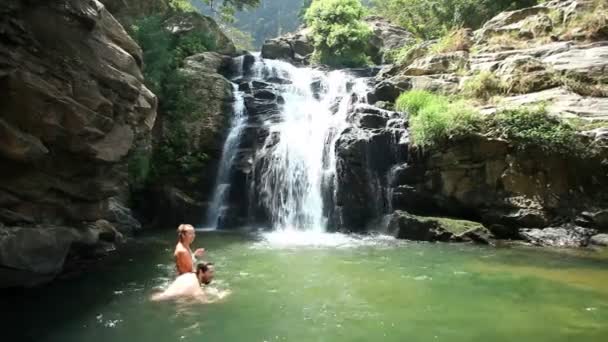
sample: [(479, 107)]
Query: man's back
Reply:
[(185, 286)]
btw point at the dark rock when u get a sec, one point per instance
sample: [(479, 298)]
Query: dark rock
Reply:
[(106, 231), (260, 85), (178, 207), (245, 87), (420, 228), (405, 226), (248, 61), (278, 80), (277, 48), (121, 216), (384, 91), (599, 219), (372, 121), (264, 94), (364, 72), (363, 159)]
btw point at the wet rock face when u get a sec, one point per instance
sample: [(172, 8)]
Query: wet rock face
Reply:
[(74, 108), (263, 103), (365, 154), (505, 188)]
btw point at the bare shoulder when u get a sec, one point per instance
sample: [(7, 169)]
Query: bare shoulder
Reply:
[(180, 250)]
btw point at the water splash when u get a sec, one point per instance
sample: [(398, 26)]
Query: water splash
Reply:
[(312, 239)]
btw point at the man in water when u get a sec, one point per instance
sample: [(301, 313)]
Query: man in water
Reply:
[(188, 285)]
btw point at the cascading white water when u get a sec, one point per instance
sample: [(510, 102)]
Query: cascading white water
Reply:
[(303, 161), (222, 183)]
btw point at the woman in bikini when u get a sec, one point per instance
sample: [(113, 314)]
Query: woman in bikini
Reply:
[(184, 258)]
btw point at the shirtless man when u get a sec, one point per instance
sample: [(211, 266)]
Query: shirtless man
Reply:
[(184, 258), (188, 285)]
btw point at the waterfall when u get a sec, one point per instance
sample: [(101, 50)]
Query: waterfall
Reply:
[(222, 182), (301, 112), (302, 163)]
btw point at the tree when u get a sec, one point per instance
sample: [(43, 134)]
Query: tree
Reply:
[(226, 9), (339, 34)]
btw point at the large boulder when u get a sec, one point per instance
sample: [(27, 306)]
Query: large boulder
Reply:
[(517, 21), (567, 236), (30, 256), (213, 95), (420, 228), (386, 37), (74, 109), (298, 47), (292, 47), (443, 63)]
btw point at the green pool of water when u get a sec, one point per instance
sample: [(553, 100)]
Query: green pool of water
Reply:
[(349, 290)]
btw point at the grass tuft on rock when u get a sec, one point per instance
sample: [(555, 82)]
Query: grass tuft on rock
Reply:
[(533, 127), (484, 86), (455, 40), (435, 119)]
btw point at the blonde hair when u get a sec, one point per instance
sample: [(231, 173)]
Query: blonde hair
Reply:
[(182, 229)]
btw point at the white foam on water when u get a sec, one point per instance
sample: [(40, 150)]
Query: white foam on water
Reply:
[(292, 238)]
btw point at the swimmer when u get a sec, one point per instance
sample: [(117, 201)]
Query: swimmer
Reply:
[(188, 286), (184, 258)]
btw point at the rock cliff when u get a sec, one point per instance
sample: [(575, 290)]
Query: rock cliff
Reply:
[(73, 109), (553, 54)]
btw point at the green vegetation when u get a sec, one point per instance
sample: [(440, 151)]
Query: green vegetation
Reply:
[(455, 40), (532, 127), (139, 168), (435, 118), (225, 10), (582, 85), (484, 86), (433, 19), (163, 54), (407, 53), (339, 34), (591, 24), (454, 226), (181, 5)]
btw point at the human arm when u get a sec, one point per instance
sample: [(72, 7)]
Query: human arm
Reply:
[(199, 252)]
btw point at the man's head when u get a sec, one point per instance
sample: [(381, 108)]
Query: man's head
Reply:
[(205, 272)]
